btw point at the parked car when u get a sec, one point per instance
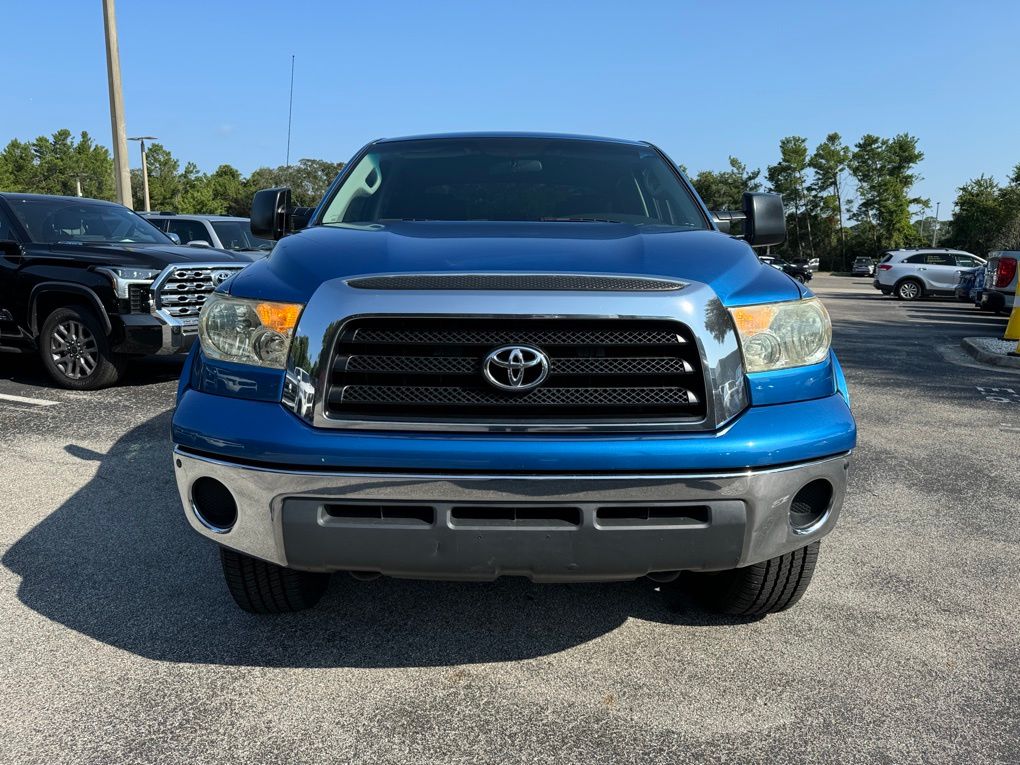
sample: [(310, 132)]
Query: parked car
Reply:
[(810, 264), (813, 263), (801, 273), (89, 285), (517, 354), (220, 231), (1000, 282), (863, 267), (918, 273), (969, 282)]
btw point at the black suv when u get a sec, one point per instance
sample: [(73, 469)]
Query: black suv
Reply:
[(89, 284)]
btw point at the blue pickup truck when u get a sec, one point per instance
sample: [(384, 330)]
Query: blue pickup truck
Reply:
[(514, 354)]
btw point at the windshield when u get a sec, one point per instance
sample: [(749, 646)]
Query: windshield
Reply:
[(50, 221), (236, 235), (513, 179)]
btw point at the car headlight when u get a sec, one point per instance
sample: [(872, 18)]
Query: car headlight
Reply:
[(122, 278), (247, 331), (783, 335)]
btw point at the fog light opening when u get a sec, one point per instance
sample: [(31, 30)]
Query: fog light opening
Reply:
[(214, 505), (811, 506)]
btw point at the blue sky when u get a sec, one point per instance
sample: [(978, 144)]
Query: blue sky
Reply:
[(702, 80)]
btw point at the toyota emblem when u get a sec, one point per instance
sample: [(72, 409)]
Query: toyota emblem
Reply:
[(516, 368), (220, 276)]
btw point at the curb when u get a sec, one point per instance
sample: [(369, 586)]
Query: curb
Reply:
[(1012, 362)]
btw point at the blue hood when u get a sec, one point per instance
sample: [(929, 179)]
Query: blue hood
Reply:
[(302, 262)]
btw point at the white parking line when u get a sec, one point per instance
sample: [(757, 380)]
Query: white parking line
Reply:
[(26, 400)]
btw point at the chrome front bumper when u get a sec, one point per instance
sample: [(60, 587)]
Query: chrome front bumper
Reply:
[(282, 518)]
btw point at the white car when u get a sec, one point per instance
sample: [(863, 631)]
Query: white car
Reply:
[(918, 273)]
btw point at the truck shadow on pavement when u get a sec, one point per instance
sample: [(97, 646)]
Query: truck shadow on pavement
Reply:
[(118, 562), (27, 369)]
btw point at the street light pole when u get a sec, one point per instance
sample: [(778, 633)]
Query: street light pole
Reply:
[(122, 172), (145, 166), (935, 231)]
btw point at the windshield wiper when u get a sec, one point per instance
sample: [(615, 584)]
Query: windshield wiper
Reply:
[(579, 220)]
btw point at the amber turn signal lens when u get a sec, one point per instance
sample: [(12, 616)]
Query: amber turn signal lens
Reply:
[(279, 317)]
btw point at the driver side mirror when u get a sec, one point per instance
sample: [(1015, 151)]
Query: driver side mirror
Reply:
[(174, 237), (763, 216), (273, 216)]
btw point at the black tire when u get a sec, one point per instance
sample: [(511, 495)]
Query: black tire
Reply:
[(909, 289), (75, 350), (763, 588), (259, 587)]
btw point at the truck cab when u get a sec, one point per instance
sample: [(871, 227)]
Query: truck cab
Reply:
[(514, 354)]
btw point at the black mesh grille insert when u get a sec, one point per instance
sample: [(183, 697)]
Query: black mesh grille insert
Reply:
[(564, 282), (430, 369)]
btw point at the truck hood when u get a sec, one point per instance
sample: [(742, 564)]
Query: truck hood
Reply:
[(302, 262), (155, 256)]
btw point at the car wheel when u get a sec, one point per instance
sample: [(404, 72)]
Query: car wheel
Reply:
[(909, 289), (756, 590), (800, 278), (260, 587), (76, 352)]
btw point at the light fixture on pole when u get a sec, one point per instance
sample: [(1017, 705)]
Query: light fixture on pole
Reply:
[(145, 167)]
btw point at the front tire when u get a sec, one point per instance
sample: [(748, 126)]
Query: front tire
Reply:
[(762, 588), (259, 587), (909, 289), (76, 352)]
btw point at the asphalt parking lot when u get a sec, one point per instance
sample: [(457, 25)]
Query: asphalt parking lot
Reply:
[(119, 643)]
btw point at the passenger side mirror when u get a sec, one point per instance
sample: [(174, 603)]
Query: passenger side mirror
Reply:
[(174, 237), (763, 216), (199, 243), (273, 217)]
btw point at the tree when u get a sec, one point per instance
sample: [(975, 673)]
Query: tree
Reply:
[(828, 162), (787, 177), (985, 214), (724, 190), (884, 170)]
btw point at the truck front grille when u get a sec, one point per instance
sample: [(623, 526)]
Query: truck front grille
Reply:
[(600, 370), (181, 292)]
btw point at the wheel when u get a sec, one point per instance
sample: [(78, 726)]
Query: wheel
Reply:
[(909, 289), (800, 278), (260, 587), (75, 350), (757, 590)]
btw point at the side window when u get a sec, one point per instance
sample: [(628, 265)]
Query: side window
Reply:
[(189, 231), (940, 259), (965, 261), (919, 258), (161, 224)]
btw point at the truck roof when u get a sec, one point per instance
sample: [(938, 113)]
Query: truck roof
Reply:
[(504, 134)]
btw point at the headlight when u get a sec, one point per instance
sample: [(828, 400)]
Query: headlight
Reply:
[(123, 277), (247, 331), (783, 335)]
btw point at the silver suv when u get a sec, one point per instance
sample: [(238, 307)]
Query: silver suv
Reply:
[(220, 231), (918, 273)]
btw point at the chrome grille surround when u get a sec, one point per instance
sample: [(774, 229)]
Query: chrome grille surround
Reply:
[(335, 304), (179, 292)]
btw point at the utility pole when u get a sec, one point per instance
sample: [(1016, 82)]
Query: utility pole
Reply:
[(122, 171), (145, 166), (77, 185), (290, 110), (935, 230)]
